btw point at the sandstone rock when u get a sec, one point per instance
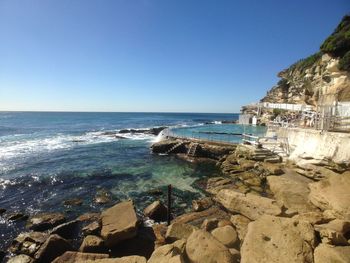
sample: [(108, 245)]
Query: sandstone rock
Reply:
[(276, 239), (119, 223), (271, 168), (197, 218), (236, 255), (78, 257), (92, 244), (227, 235), (168, 253), (156, 211), (42, 222), (312, 217), (103, 196), (28, 243), (329, 254), (67, 230), (53, 247), (21, 259), (159, 231), (241, 224), (249, 205), (178, 231), (89, 217), (215, 184), (202, 247), (16, 216), (202, 204), (209, 224), (224, 222), (246, 165), (127, 259), (291, 191), (92, 228), (332, 193), (335, 232), (73, 202)]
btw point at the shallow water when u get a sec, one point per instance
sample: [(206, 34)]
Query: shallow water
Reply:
[(47, 158)]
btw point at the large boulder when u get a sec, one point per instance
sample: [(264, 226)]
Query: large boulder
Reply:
[(291, 191), (28, 243), (127, 259), (119, 223), (178, 231), (335, 232), (21, 259), (42, 222), (93, 244), (329, 254), (249, 205), (202, 247), (227, 235), (332, 194), (172, 253), (69, 230), (53, 247), (156, 211), (202, 204), (79, 257), (273, 239), (241, 224)]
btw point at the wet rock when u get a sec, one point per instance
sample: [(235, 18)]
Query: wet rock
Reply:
[(156, 211), (103, 196), (278, 239), (92, 228), (89, 217), (210, 224), (327, 254), (164, 146), (332, 194), (119, 223), (73, 202), (74, 257), (172, 253), (292, 191), (67, 230), (202, 247), (197, 218), (42, 222), (2, 255), (2, 210), (336, 232), (21, 259), (155, 192), (202, 204), (28, 243), (53, 247), (227, 235), (215, 184), (178, 231), (249, 205), (93, 244), (16, 216)]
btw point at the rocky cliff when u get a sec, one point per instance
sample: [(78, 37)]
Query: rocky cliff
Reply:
[(321, 78)]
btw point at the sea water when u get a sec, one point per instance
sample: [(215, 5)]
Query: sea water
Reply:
[(49, 157)]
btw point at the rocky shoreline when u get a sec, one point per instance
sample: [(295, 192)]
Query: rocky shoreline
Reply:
[(260, 210)]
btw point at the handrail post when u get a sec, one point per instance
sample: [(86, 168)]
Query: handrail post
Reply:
[(169, 205)]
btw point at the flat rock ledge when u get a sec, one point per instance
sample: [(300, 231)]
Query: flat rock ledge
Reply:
[(119, 223), (249, 205), (273, 239)]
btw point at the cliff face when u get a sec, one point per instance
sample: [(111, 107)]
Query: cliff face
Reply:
[(322, 78)]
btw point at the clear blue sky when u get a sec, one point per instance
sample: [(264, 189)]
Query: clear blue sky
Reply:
[(153, 55)]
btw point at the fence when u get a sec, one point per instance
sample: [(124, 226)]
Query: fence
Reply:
[(286, 106)]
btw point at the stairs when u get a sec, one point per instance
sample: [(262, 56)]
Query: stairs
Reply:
[(192, 150), (172, 149)]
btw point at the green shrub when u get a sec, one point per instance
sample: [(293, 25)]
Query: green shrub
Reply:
[(338, 43), (344, 62), (305, 63)]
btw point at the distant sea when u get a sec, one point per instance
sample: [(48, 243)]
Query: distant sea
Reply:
[(49, 157)]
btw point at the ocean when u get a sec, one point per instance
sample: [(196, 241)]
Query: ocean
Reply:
[(47, 158)]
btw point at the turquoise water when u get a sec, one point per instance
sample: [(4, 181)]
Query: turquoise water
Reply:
[(47, 158)]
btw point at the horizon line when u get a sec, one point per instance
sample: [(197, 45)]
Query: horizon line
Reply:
[(63, 111)]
